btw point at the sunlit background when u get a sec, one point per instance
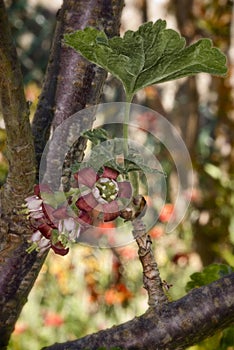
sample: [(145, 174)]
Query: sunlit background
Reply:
[(92, 289)]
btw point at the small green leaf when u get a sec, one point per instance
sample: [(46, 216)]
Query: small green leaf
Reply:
[(140, 166), (210, 274), (54, 199), (152, 54), (96, 135), (75, 167)]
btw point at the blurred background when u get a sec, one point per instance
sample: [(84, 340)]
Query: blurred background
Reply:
[(92, 289)]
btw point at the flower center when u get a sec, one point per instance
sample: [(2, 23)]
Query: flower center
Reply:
[(105, 190)]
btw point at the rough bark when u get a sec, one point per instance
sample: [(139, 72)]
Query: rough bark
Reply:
[(18, 273), (173, 326), (70, 72), (18, 270), (15, 113), (81, 80)]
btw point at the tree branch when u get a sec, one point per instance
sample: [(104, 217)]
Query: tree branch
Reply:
[(20, 151), (18, 269), (18, 272), (45, 108), (173, 326), (81, 80), (79, 83)]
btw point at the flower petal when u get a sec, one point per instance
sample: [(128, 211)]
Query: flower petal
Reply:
[(86, 202), (33, 203), (84, 218), (86, 176), (37, 190), (45, 230), (74, 235), (44, 244), (110, 211), (69, 224), (58, 248), (37, 214), (36, 236), (60, 213), (110, 173), (125, 189), (41, 188), (31, 198), (48, 212)]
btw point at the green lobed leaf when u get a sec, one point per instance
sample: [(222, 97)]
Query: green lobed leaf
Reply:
[(210, 274), (150, 55)]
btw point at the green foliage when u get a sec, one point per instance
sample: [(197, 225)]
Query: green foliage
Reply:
[(107, 151), (223, 340), (150, 55), (54, 199), (227, 339), (210, 274), (96, 135)]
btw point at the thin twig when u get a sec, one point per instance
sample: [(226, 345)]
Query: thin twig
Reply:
[(151, 277)]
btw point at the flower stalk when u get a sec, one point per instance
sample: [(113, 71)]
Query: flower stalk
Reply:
[(126, 122), (151, 277)]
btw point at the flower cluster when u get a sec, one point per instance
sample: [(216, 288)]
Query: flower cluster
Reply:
[(99, 197), (53, 228)]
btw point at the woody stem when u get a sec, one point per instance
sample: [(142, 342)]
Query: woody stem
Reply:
[(151, 277)]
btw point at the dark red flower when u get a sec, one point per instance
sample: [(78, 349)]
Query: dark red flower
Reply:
[(54, 227), (104, 192), (58, 248), (46, 230), (41, 188), (84, 218)]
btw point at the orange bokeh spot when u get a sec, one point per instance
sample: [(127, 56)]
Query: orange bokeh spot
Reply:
[(117, 294), (156, 232), (53, 319), (166, 212)]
